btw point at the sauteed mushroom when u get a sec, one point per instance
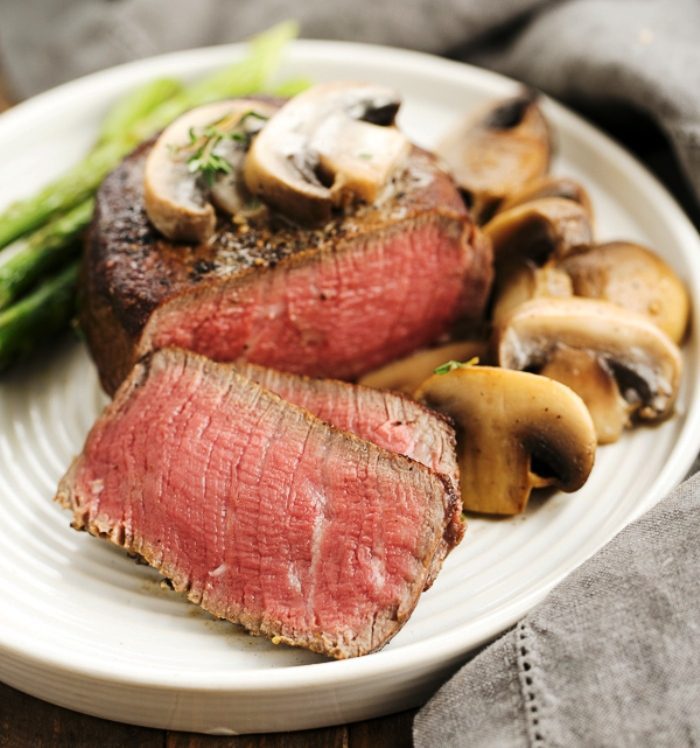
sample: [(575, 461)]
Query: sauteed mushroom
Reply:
[(549, 186), (644, 361), (634, 277), (526, 282), (550, 227), (497, 151), (516, 431), (177, 199), (327, 146), (590, 377)]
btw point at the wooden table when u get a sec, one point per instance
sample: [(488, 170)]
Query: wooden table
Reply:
[(28, 722)]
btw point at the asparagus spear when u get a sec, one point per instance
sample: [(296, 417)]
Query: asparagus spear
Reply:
[(37, 317), (47, 249), (135, 106), (247, 76)]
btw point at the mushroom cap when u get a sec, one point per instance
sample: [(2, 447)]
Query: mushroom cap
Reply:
[(325, 147), (515, 431), (634, 277), (525, 282), (548, 228), (590, 378), (407, 374), (550, 186), (176, 201), (645, 362), (494, 152)]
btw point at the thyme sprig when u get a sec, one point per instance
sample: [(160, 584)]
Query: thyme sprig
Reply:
[(203, 159), (449, 366)]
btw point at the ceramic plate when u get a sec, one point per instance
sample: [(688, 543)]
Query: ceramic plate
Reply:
[(82, 626)]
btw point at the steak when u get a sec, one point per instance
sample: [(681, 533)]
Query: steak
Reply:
[(257, 510), (373, 284), (388, 419)]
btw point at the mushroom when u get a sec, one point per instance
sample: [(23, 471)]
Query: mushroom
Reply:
[(406, 374), (548, 228), (526, 282), (590, 378), (515, 431), (330, 145), (177, 199), (643, 359), (634, 277), (494, 153), (549, 186)]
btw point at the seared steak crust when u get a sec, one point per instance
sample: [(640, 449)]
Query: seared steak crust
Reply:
[(334, 301), (256, 510)]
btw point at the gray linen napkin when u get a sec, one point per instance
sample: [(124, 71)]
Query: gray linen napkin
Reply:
[(610, 658)]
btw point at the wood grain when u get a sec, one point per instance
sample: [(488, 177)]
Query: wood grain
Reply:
[(26, 721)]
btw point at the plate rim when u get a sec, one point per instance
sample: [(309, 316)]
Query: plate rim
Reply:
[(441, 649)]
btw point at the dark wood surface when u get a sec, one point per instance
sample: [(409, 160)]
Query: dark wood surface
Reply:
[(26, 722)]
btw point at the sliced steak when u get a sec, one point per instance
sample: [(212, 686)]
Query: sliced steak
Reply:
[(257, 510), (337, 301), (391, 420)]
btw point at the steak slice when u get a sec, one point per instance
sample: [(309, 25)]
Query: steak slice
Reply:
[(337, 301), (257, 510), (389, 419)]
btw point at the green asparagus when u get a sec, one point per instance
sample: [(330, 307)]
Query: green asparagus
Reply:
[(37, 317), (46, 250), (250, 75), (135, 106)]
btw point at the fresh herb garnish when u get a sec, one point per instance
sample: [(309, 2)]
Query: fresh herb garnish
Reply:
[(202, 159), (449, 366)]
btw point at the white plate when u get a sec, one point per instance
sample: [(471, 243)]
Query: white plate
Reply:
[(82, 626)]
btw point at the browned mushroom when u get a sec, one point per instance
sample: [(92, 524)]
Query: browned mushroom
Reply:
[(645, 362), (550, 186), (516, 431), (498, 150), (526, 282), (327, 146), (633, 277), (590, 378), (544, 229), (177, 201), (406, 374)]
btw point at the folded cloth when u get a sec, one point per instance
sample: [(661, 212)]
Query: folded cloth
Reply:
[(610, 658), (639, 54)]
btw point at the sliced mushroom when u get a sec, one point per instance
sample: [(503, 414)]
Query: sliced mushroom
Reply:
[(516, 431), (590, 378), (548, 228), (406, 374), (549, 186), (494, 153), (330, 145), (526, 282), (176, 198), (645, 362), (634, 277)]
